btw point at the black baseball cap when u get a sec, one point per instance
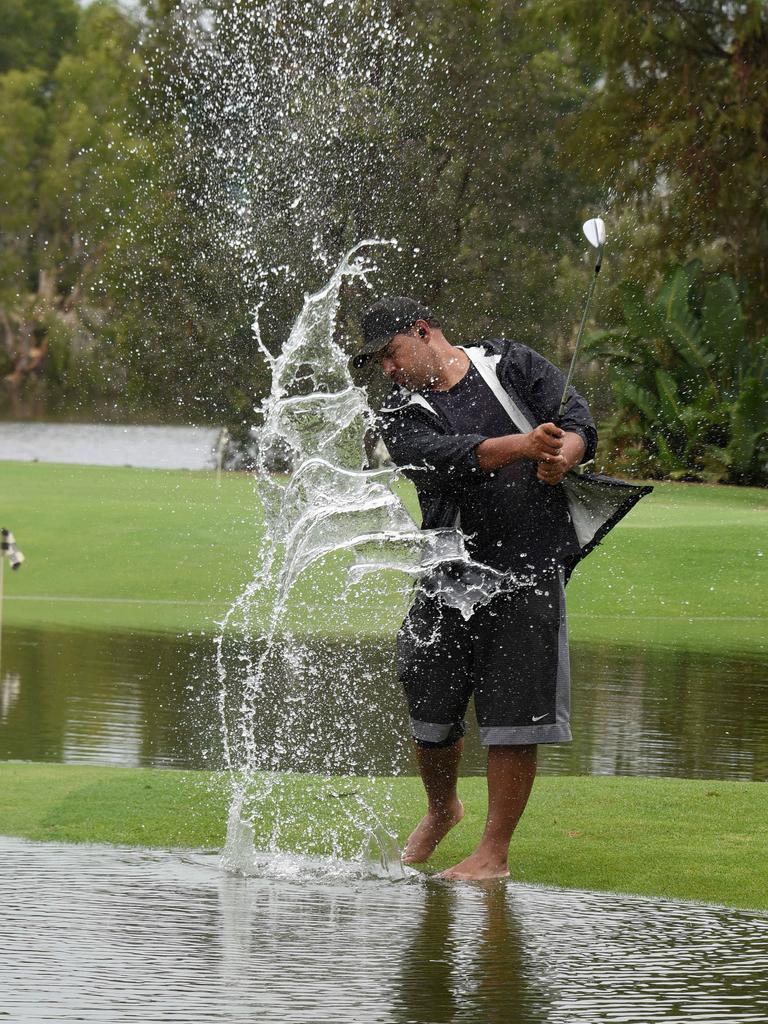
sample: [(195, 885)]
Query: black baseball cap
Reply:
[(394, 314)]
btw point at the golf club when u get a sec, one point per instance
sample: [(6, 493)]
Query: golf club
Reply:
[(595, 232)]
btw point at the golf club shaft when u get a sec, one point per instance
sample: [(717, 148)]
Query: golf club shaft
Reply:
[(564, 398)]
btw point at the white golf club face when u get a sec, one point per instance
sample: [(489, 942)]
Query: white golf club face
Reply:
[(595, 231)]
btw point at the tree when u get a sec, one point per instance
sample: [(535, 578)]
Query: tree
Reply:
[(196, 160), (68, 158), (675, 130), (22, 142), (36, 33), (503, 211)]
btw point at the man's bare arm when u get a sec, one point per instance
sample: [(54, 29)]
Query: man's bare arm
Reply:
[(543, 445)]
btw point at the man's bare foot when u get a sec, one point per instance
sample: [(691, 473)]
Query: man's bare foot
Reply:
[(478, 866), (422, 842)]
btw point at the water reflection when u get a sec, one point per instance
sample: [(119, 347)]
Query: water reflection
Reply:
[(151, 700), (10, 688), (95, 933), (467, 960), (135, 700)]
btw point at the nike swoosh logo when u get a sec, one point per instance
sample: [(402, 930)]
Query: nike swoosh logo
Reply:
[(538, 718)]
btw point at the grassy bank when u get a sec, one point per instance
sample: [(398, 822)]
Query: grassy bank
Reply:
[(671, 838), (113, 548)]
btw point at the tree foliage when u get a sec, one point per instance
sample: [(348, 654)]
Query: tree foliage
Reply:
[(36, 33), (675, 128), (691, 390), (499, 210), (64, 144), (167, 168), (299, 148), (182, 173)]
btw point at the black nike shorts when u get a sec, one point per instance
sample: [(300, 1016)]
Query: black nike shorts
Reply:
[(512, 654)]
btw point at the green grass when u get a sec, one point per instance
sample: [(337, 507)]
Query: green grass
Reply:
[(687, 568), (114, 548), (120, 548), (672, 838)]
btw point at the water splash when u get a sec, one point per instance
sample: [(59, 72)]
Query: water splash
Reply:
[(317, 416), (288, 118), (328, 515)]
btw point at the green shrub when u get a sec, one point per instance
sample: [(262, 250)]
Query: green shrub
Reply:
[(690, 386)]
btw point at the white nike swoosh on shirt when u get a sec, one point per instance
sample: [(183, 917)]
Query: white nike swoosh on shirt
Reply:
[(538, 718)]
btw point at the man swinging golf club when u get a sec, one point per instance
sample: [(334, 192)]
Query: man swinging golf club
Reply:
[(489, 437)]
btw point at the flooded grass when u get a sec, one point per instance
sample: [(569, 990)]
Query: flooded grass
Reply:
[(671, 838)]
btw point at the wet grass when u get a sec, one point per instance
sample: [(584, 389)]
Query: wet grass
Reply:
[(129, 549), (671, 838)]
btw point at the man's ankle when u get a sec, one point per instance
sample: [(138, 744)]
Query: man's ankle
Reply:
[(445, 808), (494, 848)]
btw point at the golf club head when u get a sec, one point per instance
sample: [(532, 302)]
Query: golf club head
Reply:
[(595, 232)]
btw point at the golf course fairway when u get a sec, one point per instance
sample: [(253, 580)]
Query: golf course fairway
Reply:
[(132, 549), (121, 549)]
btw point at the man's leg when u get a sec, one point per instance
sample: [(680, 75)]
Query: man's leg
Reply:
[(439, 767), (435, 666), (511, 771)]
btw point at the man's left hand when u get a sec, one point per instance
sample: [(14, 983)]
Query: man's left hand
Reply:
[(553, 472)]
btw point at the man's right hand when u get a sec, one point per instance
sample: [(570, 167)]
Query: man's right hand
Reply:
[(544, 444)]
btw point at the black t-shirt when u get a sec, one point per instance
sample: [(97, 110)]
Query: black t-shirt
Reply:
[(513, 521)]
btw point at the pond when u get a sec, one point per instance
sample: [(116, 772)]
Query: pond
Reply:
[(151, 700), (107, 934)]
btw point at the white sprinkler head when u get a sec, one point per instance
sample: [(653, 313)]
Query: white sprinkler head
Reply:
[(595, 231)]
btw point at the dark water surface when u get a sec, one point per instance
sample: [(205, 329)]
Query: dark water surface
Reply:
[(151, 700), (113, 935)]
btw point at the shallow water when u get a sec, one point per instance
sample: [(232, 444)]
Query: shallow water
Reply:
[(103, 934), (106, 444), (150, 700)]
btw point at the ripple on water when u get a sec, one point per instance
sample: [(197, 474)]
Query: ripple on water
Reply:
[(114, 935)]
